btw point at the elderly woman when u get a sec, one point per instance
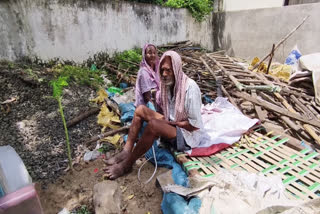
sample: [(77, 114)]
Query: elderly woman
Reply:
[(148, 81)]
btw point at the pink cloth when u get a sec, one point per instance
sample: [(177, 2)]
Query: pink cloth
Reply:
[(179, 88), (147, 79)]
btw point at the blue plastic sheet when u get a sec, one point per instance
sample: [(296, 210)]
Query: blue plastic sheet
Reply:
[(127, 112), (123, 85)]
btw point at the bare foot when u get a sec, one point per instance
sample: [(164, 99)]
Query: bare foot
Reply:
[(117, 158), (118, 169)]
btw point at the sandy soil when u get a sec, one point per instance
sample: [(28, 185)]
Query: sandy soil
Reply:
[(75, 189)]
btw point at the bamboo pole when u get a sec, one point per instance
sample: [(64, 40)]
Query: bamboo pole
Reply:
[(280, 42)]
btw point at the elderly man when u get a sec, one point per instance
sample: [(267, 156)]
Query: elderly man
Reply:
[(180, 123)]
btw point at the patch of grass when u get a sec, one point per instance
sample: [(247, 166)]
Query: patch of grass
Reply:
[(124, 58), (80, 75), (8, 64), (82, 210)]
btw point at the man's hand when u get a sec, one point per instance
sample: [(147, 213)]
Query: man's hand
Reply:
[(184, 124)]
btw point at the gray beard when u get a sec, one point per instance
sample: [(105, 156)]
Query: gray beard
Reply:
[(168, 83)]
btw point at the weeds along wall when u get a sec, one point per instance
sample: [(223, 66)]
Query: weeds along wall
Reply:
[(75, 30)]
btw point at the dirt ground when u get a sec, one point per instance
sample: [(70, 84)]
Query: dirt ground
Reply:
[(75, 189)]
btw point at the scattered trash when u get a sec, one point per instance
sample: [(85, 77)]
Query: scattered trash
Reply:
[(96, 170), (9, 100), (64, 211), (115, 90), (127, 111), (293, 58), (123, 85), (106, 81), (112, 139), (123, 188), (91, 155), (102, 94), (281, 71), (108, 119), (93, 67), (276, 70), (127, 97), (129, 197)]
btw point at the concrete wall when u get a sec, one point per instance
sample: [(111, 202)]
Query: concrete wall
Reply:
[(292, 2), (234, 5), (76, 30), (251, 33)]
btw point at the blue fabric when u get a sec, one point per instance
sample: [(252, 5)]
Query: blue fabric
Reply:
[(172, 203)]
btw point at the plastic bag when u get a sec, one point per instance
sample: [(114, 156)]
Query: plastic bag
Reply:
[(293, 58), (91, 155)]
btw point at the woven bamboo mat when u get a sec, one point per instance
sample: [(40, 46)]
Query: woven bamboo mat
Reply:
[(259, 153)]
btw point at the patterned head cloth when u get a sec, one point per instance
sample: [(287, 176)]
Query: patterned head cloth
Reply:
[(179, 88)]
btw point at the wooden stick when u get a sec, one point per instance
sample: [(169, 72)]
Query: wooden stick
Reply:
[(306, 111), (208, 67), (229, 97), (261, 115), (269, 98), (277, 109), (292, 143), (103, 135), (280, 42), (249, 81), (190, 60), (120, 79), (314, 112), (271, 56), (82, 116), (232, 78), (115, 71), (133, 63), (307, 127), (290, 123)]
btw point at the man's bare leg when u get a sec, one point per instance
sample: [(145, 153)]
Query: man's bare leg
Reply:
[(142, 113), (155, 128)]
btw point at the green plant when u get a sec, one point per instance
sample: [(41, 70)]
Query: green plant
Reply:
[(104, 148), (58, 86), (198, 8), (81, 75), (82, 210), (129, 59), (11, 65)]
